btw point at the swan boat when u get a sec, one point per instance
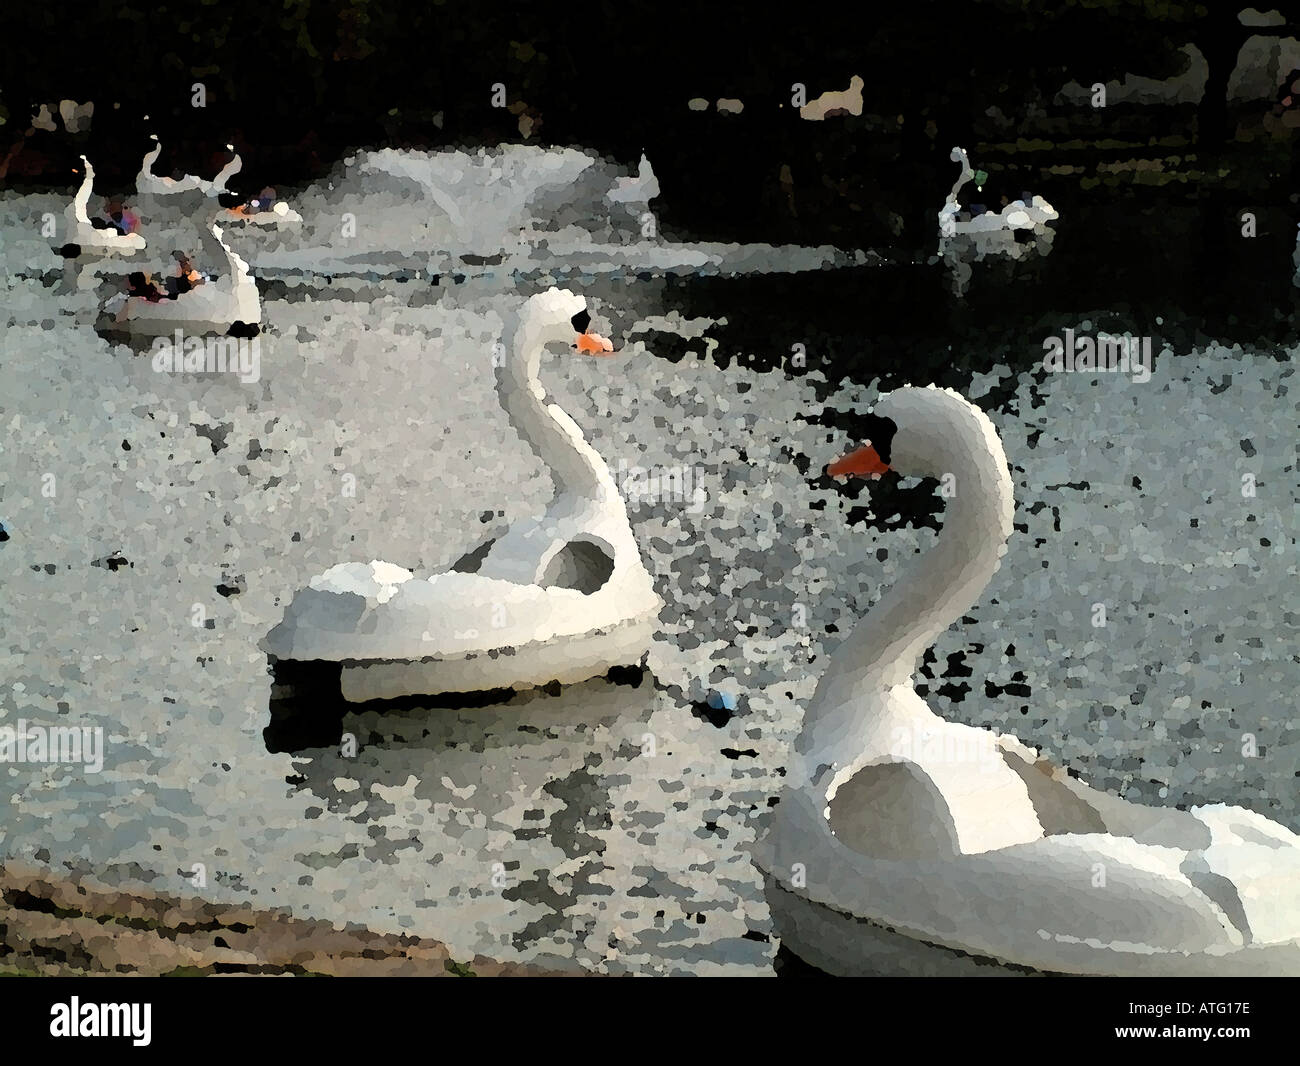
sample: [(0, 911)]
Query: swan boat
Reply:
[(906, 844), (1019, 230), (629, 198), (158, 194), (563, 598), (147, 183), (83, 237), (228, 303)]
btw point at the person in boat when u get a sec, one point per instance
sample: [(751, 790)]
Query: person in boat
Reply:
[(185, 278), (126, 220), (113, 212), (104, 220), (264, 202), (116, 216), (138, 283)]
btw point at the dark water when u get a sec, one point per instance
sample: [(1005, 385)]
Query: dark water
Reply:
[(1177, 272)]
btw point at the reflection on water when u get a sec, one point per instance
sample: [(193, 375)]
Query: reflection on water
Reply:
[(536, 766)]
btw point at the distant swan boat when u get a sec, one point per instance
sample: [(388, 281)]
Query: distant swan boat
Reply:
[(83, 236), (229, 303), (1019, 229), (185, 195)]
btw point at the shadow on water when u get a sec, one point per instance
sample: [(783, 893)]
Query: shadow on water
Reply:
[(308, 711), (534, 770), (1180, 273)]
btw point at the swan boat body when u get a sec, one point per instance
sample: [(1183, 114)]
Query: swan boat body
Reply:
[(906, 844), (564, 597), (227, 303), (278, 215), (82, 233)]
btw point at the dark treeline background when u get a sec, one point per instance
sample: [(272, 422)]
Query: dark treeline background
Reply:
[(295, 83)]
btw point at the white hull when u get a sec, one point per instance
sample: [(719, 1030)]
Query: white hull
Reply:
[(846, 946), (271, 219), (165, 325), (95, 245), (569, 661)]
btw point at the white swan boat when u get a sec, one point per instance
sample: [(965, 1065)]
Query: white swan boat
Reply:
[(228, 303), (562, 598), (233, 166), (149, 184), (904, 843), (180, 195), (82, 235), (1020, 229), (637, 191)]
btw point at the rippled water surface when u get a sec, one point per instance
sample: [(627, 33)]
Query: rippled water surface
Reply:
[(605, 825)]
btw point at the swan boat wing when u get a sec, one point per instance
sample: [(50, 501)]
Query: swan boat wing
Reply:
[(1071, 903)]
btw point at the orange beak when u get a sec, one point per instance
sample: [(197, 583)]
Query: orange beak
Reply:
[(865, 462), (594, 344)]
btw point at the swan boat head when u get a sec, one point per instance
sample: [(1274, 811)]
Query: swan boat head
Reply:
[(151, 156), (557, 317), (586, 501), (81, 201), (959, 156), (217, 185), (83, 236), (926, 433), (176, 191)]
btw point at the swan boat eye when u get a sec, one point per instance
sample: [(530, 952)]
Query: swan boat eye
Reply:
[(581, 321), (880, 431)]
